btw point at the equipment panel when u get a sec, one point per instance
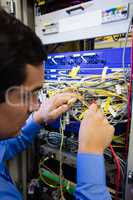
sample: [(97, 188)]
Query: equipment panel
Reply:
[(65, 66)]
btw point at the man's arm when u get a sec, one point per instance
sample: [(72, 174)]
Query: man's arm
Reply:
[(49, 110), (94, 136), (91, 184), (23, 140)]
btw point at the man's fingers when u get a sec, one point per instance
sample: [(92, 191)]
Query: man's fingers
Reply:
[(65, 98), (71, 101), (92, 110), (93, 107), (100, 115), (59, 111), (105, 121), (112, 129)]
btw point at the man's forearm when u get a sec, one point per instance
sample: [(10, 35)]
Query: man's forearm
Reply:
[(91, 183), (23, 140)]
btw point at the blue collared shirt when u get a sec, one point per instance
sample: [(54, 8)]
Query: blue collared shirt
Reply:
[(91, 181), (90, 174)]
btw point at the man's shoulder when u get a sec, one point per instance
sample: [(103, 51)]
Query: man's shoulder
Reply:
[(8, 190)]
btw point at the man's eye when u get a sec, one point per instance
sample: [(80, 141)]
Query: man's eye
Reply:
[(36, 93)]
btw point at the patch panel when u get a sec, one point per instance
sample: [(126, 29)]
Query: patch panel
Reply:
[(58, 66)]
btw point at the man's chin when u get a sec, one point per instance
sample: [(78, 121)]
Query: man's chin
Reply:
[(15, 133), (18, 131), (12, 134)]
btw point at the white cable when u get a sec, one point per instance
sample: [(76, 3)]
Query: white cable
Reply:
[(124, 51), (61, 146)]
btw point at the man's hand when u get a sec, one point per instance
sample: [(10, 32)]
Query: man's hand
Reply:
[(95, 132), (54, 107)]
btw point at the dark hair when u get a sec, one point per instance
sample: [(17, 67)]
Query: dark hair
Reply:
[(19, 46)]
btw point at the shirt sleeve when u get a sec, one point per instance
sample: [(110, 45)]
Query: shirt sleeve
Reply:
[(8, 191), (91, 181), (23, 140)]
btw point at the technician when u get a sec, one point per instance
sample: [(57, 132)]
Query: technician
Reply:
[(21, 76)]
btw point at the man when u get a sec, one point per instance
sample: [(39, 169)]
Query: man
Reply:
[(21, 70)]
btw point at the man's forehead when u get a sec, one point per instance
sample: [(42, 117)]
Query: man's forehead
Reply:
[(35, 78)]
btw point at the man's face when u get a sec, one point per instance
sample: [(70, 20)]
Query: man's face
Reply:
[(20, 102)]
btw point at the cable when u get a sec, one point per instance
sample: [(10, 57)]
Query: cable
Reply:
[(61, 163), (118, 172), (41, 172), (129, 94), (89, 89), (86, 92), (124, 50)]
